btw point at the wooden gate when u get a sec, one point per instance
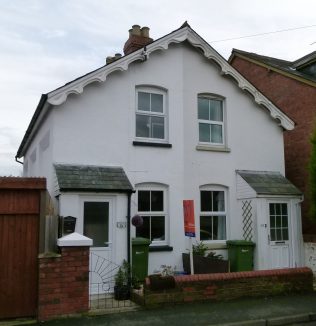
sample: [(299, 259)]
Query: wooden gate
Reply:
[(19, 243)]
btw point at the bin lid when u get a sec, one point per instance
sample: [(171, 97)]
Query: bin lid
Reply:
[(140, 241), (240, 243)]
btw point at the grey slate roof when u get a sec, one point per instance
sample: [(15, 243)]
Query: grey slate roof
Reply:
[(92, 178), (286, 66), (269, 183)]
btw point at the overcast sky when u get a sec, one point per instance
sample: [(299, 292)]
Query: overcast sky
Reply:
[(46, 43)]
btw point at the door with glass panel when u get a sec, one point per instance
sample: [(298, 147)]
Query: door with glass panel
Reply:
[(97, 221), (279, 235)]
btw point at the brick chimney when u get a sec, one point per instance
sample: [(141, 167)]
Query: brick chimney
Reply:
[(138, 38)]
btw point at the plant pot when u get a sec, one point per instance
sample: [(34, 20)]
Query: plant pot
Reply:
[(158, 282), (204, 265), (122, 292)]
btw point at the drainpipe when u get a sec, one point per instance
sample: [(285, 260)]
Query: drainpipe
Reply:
[(129, 195)]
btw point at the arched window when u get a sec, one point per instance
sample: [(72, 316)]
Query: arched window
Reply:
[(211, 119), (213, 212), (151, 114), (152, 206)]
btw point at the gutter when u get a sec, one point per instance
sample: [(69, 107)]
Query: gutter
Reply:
[(29, 130), (16, 160)]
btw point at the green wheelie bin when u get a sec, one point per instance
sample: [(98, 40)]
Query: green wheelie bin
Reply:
[(140, 248), (240, 255)]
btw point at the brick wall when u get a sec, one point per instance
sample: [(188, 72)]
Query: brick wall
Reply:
[(228, 286), (64, 283), (297, 100)]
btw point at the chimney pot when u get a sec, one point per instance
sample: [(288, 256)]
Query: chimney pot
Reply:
[(108, 60), (136, 30), (138, 38), (145, 31)]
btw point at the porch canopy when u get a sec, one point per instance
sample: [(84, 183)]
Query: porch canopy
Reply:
[(93, 178), (267, 183)]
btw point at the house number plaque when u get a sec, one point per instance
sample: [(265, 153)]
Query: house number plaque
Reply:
[(121, 225)]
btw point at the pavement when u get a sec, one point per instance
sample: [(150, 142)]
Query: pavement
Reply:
[(299, 309)]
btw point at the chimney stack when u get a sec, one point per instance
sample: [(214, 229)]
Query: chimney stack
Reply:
[(138, 38)]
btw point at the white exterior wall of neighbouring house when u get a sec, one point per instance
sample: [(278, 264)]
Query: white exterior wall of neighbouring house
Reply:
[(98, 128)]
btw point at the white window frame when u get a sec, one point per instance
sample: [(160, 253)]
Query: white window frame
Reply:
[(152, 90), (165, 212), (212, 122), (214, 213), (279, 202)]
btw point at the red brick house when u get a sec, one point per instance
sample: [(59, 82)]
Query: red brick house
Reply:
[(291, 86)]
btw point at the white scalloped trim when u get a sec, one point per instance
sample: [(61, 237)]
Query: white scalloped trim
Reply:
[(60, 95)]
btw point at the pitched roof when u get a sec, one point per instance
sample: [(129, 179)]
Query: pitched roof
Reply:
[(184, 33), (269, 183), (92, 178), (291, 68)]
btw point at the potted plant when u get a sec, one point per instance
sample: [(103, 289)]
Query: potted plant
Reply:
[(203, 262), (122, 282), (163, 280)]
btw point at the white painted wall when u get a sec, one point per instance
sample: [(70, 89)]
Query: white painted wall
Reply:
[(98, 128), (310, 255)]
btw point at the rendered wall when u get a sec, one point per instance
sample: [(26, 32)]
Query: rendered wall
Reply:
[(98, 128)]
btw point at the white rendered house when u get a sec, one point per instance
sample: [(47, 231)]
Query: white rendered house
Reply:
[(170, 120)]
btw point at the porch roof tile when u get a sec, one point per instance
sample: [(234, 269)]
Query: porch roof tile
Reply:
[(72, 177), (269, 183)]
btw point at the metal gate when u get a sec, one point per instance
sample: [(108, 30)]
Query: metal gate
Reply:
[(19, 242)]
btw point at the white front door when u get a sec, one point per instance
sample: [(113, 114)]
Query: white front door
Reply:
[(97, 225), (279, 242)]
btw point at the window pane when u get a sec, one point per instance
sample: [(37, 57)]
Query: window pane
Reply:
[(218, 201), (272, 231), (216, 110), (284, 209), (157, 127), (156, 103), (206, 201), (285, 234), (142, 125), (212, 227), (271, 209), (278, 221), (144, 230), (278, 234), (143, 201), (216, 134), (219, 228), (143, 101), (204, 132), (96, 222), (272, 221), (284, 222), (277, 209), (157, 228), (203, 109), (206, 228), (156, 201)]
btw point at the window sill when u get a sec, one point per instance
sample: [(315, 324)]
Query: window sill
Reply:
[(160, 248), (214, 246), (151, 144), (212, 148)]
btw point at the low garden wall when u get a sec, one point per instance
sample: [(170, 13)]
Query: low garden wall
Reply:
[(63, 283), (228, 286)]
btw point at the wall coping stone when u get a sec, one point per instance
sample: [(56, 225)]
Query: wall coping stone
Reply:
[(74, 240)]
